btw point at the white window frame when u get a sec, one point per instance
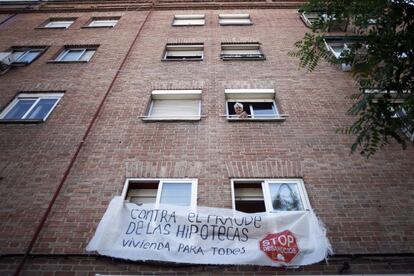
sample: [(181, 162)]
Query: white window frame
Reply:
[(49, 23), (111, 22), (183, 47), (174, 95), (161, 182), (266, 191), (188, 19), (252, 95), (308, 16), (67, 50), (26, 50), (228, 17), (39, 96)]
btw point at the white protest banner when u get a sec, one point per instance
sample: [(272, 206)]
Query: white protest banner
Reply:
[(209, 235)]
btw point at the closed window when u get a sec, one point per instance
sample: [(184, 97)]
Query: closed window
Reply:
[(175, 105), (76, 54), (31, 107), (269, 195), (234, 19), (243, 51), (189, 20), (252, 104), (58, 23), (180, 192), (184, 51), (26, 55), (103, 22)]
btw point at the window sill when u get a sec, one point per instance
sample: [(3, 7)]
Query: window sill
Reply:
[(50, 28), (242, 58), (236, 24), (20, 121), (172, 119), (183, 59), (190, 25), (97, 27), (58, 61), (277, 119), (20, 64)]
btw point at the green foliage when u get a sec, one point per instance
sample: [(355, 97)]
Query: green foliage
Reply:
[(383, 60)]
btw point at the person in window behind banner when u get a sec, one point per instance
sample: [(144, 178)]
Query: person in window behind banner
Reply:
[(240, 113)]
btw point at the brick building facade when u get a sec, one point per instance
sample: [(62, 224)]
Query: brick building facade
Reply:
[(62, 173)]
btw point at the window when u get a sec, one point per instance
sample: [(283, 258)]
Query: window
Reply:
[(189, 20), (337, 45), (244, 51), (309, 18), (256, 104), (58, 23), (26, 55), (181, 192), (234, 19), (395, 107), (102, 22), (76, 54), (175, 105), (184, 51), (269, 195), (31, 107)]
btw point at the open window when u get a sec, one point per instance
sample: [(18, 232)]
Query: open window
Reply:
[(338, 45), (269, 195), (24, 55), (30, 107), (234, 19), (242, 51), (308, 18), (184, 51), (181, 192), (189, 20), (395, 102), (256, 104), (175, 105), (76, 53)]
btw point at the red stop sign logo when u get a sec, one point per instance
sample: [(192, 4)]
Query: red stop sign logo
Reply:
[(280, 247)]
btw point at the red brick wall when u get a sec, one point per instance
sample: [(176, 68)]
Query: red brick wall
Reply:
[(365, 204)]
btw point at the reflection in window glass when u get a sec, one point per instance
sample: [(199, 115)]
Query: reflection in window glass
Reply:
[(41, 109), (285, 197), (20, 108)]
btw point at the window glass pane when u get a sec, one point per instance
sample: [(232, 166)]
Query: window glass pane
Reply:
[(176, 194), (87, 55), (285, 197), (29, 56), (263, 110), (19, 109), (103, 23), (41, 109), (235, 21), (17, 54), (183, 54), (58, 24), (71, 55)]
